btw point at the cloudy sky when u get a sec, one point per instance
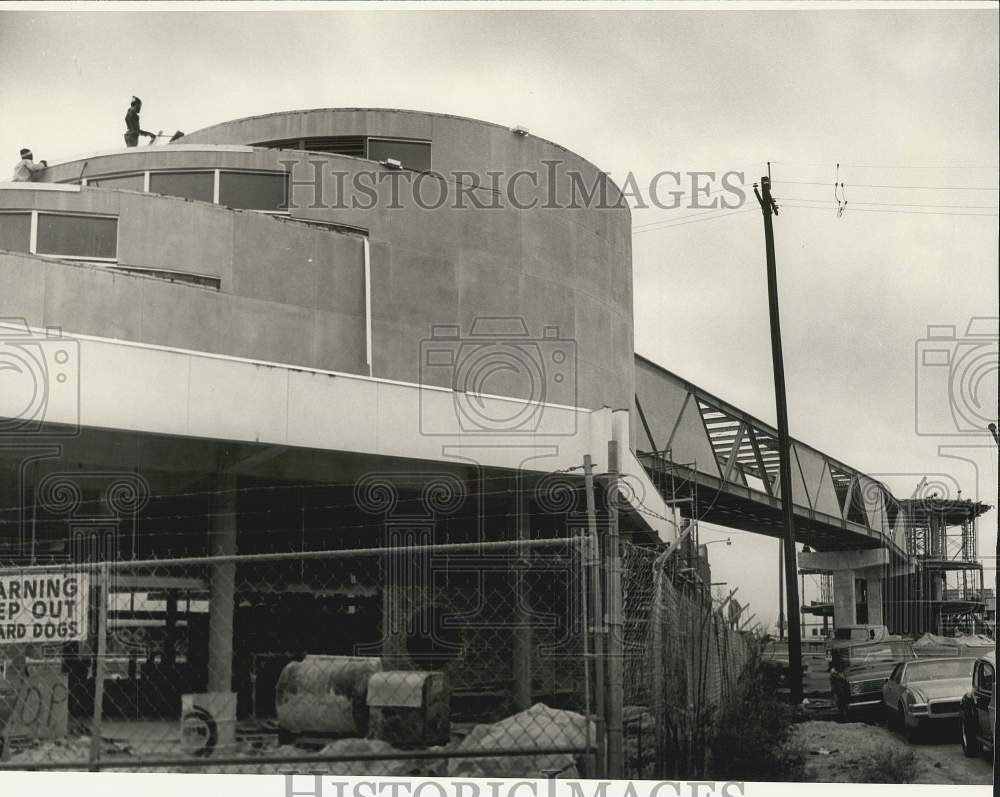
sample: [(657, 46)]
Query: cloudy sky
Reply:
[(905, 101)]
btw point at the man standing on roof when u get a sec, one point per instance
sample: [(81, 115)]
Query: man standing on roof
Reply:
[(133, 131), (25, 169)]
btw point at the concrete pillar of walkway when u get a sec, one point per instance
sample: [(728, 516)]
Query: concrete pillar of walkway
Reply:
[(844, 600), (875, 614), (222, 589)]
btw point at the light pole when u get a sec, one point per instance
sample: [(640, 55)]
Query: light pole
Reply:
[(728, 541)]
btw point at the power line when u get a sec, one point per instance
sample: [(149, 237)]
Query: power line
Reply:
[(880, 210), (884, 166), (887, 204), (686, 193), (893, 185), (694, 218)]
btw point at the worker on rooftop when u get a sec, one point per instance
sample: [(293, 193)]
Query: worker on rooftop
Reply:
[(132, 129), (26, 168)]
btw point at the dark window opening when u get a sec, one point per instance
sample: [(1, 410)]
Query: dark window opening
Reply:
[(77, 236), (127, 182), (200, 280), (337, 145), (187, 185), (15, 232), (334, 226), (333, 145), (253, 191), (414, 155)]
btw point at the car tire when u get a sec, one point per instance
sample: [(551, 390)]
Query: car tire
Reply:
[(890, 716), (971, 745), (900, 723)]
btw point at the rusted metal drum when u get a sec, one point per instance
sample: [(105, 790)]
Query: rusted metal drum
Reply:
[(325, 695), (410, 709)]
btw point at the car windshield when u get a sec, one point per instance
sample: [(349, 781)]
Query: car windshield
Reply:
[(929, 670)]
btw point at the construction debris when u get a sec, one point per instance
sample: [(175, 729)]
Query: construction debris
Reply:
[(537, 727)]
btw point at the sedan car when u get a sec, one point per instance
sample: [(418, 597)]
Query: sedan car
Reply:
[(774, 663), (979, 707), (924, 692), (859, 672)]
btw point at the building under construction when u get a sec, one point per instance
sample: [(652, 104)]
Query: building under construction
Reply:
[(291, 336)]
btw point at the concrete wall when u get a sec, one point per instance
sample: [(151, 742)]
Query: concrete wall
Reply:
[(562, 267), (288, 293)]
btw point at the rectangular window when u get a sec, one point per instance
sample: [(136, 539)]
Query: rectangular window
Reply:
[(126, 182), (86, 237), (253, 190), (187, 185), (15, 232), (412, 154), (337, 145)]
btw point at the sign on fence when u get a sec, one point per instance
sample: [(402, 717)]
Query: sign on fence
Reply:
[(41, 708), (43, 607)]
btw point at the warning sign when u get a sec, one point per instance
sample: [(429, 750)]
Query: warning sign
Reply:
[(43, 607)]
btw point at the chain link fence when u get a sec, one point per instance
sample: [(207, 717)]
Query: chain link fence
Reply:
[(682, 663), (466, 659)]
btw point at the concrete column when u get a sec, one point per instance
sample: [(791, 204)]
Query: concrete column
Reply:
[(875, 614), (844, 609), (222, 589)]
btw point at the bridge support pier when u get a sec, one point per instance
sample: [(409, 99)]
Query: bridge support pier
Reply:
[(874, 592), (844, 599), (872, 565)]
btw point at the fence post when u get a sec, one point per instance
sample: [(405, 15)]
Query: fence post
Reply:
[(616, 629), (594, 574), (522, 630), (580, 549), (222, 587), (102, 632), (658, 679)]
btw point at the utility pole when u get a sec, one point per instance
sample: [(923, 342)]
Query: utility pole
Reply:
[(781, 588), (594, 575), (768, 208)]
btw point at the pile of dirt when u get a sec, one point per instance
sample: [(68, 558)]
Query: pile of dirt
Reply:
[(538, 727)]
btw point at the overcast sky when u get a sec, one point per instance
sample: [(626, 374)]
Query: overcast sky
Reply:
[(645, 92)]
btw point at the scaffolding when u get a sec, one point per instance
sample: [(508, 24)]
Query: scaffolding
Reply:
[(945, 593)]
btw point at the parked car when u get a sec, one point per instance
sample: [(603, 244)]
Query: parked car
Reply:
[(859, 672), (774, 662), (919, 693), (847, 636), (979, 707)]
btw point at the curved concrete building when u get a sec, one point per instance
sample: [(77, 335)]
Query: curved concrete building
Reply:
[(393, 236)]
